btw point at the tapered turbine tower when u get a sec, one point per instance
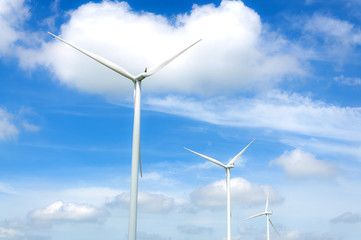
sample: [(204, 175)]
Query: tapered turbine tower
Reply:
[(228, 182), (136, 159)]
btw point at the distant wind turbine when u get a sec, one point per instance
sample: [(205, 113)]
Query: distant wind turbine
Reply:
[(228, 183), (136, 158), (266, 213)]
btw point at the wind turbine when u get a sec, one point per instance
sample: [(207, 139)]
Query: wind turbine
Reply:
[(266, 213), (136, 158), (228, 181)]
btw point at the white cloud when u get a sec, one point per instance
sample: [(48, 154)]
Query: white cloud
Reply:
[(332, 27), (151, 176), (292, 235), (347, 217), (64, 212), (12, 15), (9, 233), (276, 110), (147, 202), (6, 188), (30, 127), (327, 147), (10, 124), (26, 112), (243, 193), (336, 37), (194, 230), (299, 164), (296, 235), (150, 236), (8, 130), (234, 43), (350, 81)]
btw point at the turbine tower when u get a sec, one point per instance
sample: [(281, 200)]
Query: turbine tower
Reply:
[(136, 158), (266, 213), (228, 182)]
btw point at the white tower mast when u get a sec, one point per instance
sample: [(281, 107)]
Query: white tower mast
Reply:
[(228, 182), (266, 213), (136, 158)]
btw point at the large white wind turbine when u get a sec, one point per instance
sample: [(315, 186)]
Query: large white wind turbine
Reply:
[(228, 182), (266, 213), (136, 159)]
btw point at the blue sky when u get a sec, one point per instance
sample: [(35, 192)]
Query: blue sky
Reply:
[(285, 73)]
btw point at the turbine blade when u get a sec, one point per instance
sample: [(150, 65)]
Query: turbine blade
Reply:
[(254, 216), (99, 59), (140, 164), (155, 69), (274, 227), (239, 154), (208, 158), (266, 210)]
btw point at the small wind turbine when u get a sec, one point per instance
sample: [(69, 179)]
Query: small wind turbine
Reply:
[(228, 182), (266, 213), (136, 159)]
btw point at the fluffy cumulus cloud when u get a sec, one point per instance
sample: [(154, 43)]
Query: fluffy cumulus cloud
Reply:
[(147, 202), (244, 193), (8, 130), (299, 164), (67, 212), (236, 53), (347, 217), (12, 14)]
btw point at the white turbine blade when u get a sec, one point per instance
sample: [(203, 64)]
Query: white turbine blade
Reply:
[(239, 154), (208, 158), (99, 59), (140, 164), (155, 69), (274, 227), (266, 210), (254, 216), (140, 167)]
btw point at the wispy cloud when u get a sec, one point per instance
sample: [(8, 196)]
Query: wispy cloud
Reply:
[(9, 233), (11, 124), (334, 37), (6, 188), (194, 230), (340, 30), (8, 130), (147, 202), (347, 217), (30, 127), (326, 147), (279, 111), (350, 81)]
